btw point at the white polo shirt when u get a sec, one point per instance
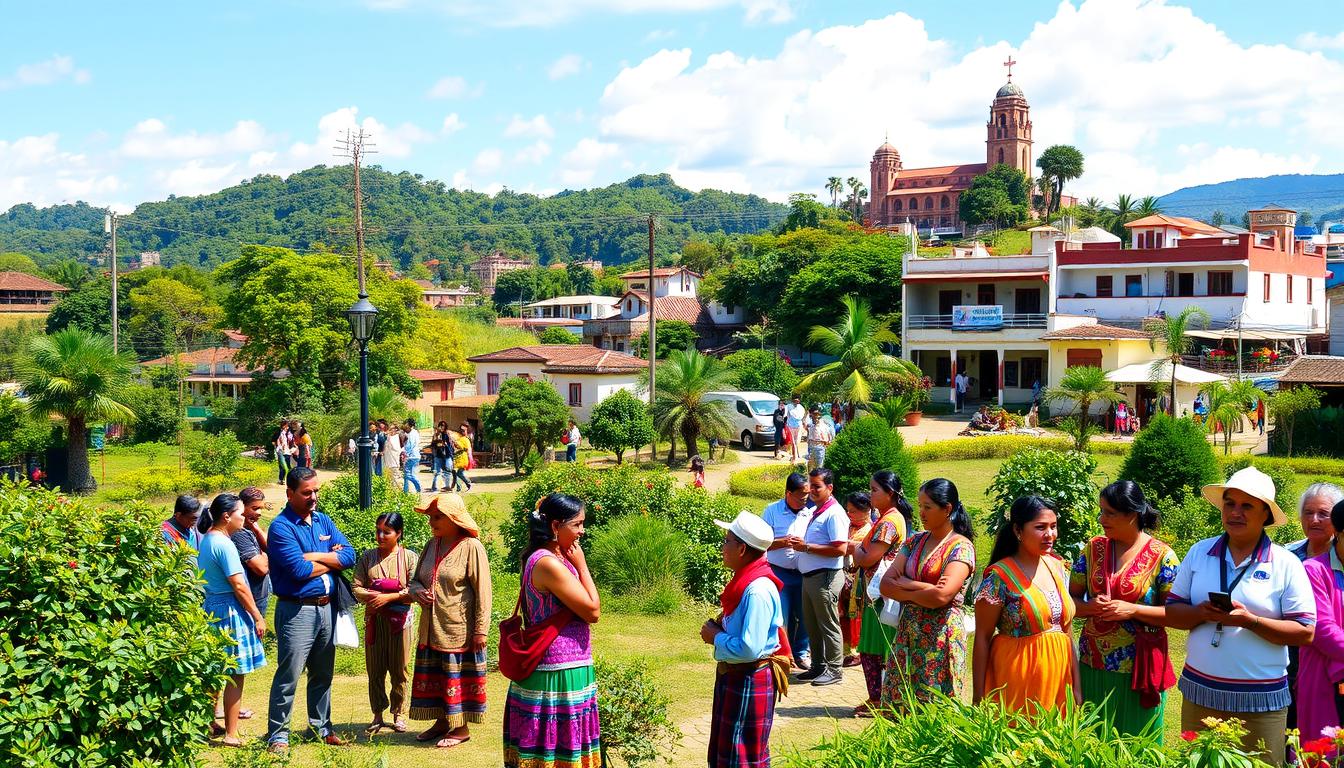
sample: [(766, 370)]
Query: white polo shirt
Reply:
[(785, 522), (1245, 672), (826, 526)]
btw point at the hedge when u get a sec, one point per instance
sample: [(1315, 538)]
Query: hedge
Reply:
[(867, 445), (765, 482), (1003, 446)]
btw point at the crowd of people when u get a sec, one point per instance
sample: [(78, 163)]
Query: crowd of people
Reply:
[(818, 585)]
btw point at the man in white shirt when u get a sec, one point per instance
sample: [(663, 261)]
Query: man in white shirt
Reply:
[(819, 438), (796, 414), (410, 456), (788, 519), (821, 552), (961, 383)]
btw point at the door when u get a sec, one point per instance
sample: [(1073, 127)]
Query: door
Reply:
[(984, 295), (989, 374), (1185, 284), (1027, 301), (947, 300)]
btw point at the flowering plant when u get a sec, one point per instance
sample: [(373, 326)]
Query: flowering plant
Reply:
[(1218, 746), (1322, 752), (1265, 355), (1217, 354)]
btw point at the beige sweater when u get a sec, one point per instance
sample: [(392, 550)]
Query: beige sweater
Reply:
[(462, 594)]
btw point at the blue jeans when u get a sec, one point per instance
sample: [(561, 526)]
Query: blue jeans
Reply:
[(816, 456), (408, 475), (571, 452), (377, 464), (441, 467), (304, 639), (791, 603), (460, 477)]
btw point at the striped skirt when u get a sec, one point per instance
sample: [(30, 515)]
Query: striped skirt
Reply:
[(450, 685), (240, 630), (551, 720), (744, 710), (1119, 702)]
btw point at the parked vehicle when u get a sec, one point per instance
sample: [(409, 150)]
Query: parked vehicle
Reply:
[(750, 414)]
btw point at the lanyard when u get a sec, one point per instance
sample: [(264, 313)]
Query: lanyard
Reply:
[(1256, 555)]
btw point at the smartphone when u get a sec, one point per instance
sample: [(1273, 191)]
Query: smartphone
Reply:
[(1221, 600)]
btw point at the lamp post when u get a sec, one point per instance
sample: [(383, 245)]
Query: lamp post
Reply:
[(363, 316)]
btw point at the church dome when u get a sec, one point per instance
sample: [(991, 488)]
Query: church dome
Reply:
[(1009, 89), (886, 149)]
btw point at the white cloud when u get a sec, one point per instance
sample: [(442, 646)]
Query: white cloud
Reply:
[(488, 160), (34, 169), (533, 154), (452, 124), (454, 87), (396, 142), (1314, 41), (151, 139), (655, 35), (579, 165), (569, 64), (537, 125), (194, 177), (529, 13), (48, 72)]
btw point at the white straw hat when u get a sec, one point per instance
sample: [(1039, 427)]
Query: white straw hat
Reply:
[(1251, 482), (750, 530)]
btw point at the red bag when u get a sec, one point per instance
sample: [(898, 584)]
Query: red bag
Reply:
[(564, 438), (521, 649)]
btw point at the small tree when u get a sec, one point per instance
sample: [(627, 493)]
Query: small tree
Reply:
[(673, 335), (679, 404), (555, 335), (1169, 457), (527, 414), (1084, 385), (1064, 477), (1173, 333), (620, 422), (864, 446), (757, 370), (1227, 407), (1287, 404)]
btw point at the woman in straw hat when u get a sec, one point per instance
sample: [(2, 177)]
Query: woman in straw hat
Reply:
[(452, 583), (1244, 600)]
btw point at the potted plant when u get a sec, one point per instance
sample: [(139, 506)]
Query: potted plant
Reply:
[(919, 397)]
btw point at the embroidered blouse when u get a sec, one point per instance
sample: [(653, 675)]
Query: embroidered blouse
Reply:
[(1027, 609), (1147, 580)]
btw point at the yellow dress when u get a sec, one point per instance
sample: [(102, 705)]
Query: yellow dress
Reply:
[(1030, 654)]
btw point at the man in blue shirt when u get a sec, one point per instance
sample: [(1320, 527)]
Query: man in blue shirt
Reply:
[(306, 553), (788, 517)]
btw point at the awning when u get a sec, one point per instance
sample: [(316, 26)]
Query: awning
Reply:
[(1144, 373), (1247, 334), (958, 277)]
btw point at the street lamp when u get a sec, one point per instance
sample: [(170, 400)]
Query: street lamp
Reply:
[(363, 316)]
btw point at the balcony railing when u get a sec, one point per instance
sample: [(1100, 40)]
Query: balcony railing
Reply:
[(1227, 366), (1020, 320)]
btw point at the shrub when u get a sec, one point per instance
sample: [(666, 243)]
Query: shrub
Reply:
[(1065, 477), (1186, 520), (619, 423), (339, 499), (1002, 447), (759, 370), (863, 447), (764, 482), (1302, 465), (156, 481), (1323, 437), (1285, 479), (637, 552), (157, 415), (636, 724), (1168, 456), (559, 336), (208, 454), (107, 657)]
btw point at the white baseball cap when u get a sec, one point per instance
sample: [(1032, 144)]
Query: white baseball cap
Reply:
[(750, 529)]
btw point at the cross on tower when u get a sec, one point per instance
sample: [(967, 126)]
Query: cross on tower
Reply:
[(1009, 64)]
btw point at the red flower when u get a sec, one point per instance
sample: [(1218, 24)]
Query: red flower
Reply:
[(1188, 735), (1319, 746), (73, 565)]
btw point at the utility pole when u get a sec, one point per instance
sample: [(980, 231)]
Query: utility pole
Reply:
[(653, 329), (110, 227)]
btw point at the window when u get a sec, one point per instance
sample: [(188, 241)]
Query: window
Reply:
[(1010, 373), (898, 205), (1000, 149), (1090, 357), (730, 309), (1308, 290), (1288, 279), (575, 395), (914, 203), (1031, 371), (628, 305), (1159, 240), (1104, 284), (947, 300), (1266, 287), (928, 203), (946, 203), (1027, 301), (984, 294), (492, 383), (1133, 285), (1220, 283), (1185, 284), (742, 409)]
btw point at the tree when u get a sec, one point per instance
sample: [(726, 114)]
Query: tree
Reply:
[(1287, 404), (1304, 219), (1013, 181), (1064, 477), (555, 335), (20, 432), (1217, 218), (835, 186), (868, 266), (758, 370), (856, 341), (581, 278), (673, 335), (436, 344), (531, 284), (1169, 458), (1228, 403), (1084, 385), (19, 262), (1172, 332), (168, 316), (804, 211), (68, 272), (679, 405), (527, 414), (75, 375), (1148, 206), (88, 307), (1118, 215), (1000, 196), (1060, 164), (699, 256), (857, 192), (620, 422), (158, 417), (868, 444)]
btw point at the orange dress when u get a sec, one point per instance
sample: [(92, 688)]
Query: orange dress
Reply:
[(1030, 656)]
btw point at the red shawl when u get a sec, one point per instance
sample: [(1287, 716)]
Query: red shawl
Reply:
[(737, 586)]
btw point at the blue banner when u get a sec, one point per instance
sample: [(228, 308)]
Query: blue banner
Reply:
[(977, 318)]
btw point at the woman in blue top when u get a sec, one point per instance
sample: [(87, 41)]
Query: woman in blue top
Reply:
[(229, 604)]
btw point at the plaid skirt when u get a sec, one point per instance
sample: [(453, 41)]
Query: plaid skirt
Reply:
[(238, 627), (744, 709), (449, 685)]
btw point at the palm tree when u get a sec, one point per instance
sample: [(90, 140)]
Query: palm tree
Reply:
[(1061, 164), (856, 341), (1120, 214), (857, 194), (76, 375), (679, 404), (68, 272), (1228, 402), (1084, 385), (1148, 206), (1173, 333), (835, 186)]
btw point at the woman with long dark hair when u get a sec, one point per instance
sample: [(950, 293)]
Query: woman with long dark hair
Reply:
[(929, 576), (859, 509), (550, 718), (1023, 649), (878, 546), (382, 583), (1125, 576)]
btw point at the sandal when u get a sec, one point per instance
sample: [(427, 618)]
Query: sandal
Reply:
[(451, 741), (235, 743), (374, 727), (245, 714), (863, 711), (400, 725), (432, 734)]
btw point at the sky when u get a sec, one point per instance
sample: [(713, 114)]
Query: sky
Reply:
[(119, 104)]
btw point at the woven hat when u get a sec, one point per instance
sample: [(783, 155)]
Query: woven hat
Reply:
[(452, 505), (750, 530), (1251, 482)]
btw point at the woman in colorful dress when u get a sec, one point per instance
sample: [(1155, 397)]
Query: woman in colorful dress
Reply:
[(1125, 576), (878, 546), (452, 585), (859, 509), (1318, 699), (229, 605), (303, 444), (928, 576), (550, 718), (1314, 513), (382, 584), (1024, 655)]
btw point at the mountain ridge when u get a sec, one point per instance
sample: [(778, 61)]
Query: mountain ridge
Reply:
[(1322, 195)]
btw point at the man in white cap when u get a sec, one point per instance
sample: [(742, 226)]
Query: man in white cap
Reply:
[(750, 646)]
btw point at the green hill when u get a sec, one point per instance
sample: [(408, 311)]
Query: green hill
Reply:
[(1321, 195), (409, 220)]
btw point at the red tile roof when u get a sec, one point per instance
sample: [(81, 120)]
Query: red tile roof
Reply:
[(209, 356), (22, 281), (1187, 226), (1095, 331), (235, 336), (572, 358), (420, 374), (1314, 369)]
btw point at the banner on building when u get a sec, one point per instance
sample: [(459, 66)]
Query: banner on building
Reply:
[(977, 318)]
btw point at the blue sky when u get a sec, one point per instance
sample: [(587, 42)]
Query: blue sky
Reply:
[(765, 96)]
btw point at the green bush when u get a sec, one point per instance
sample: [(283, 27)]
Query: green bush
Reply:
[(339, 499), (157, 415), (1320, 435), (158, 481), (764, 482), (1003, 446), (1170, 455), (636, 723), (619, 423), (208, 454), (1302, 465), (1064, 477), (637, 552), (1187, 520), (107, 658), (1280, 472), (758, 370), (559, 336), (864, 446)]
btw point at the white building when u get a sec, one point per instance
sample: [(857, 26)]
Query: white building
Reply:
[(583, 375), (587, 307), (675, 296)]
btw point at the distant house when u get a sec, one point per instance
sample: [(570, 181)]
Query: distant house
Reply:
[(22, 292), (675, 296), (439, 298), (1334, 298), (146, 259), (437, 387), (1322, 372), (583, 375), (211, 372), (488, 269)]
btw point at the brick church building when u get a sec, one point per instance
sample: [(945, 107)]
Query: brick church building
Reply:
[(928, 197)]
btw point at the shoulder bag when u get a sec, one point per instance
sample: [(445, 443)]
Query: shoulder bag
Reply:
[(522, 648)]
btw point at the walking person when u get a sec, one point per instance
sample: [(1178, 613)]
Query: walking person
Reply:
[(961, 383), (303, 446), (410, 456), (382, 583), (452, 585), (750, 646), (929, 577), (470, 434), (1260, 414), (230, 607), (697, 470), (572, 444), (780, 421), (551, 717), (379, 439), (1024, 654), (307, 553), (880, 545), (462, 460), (788, 518), (796, 414), (821, 551), (441, 453), (391, 450), (819, 438), (1125, 576), (281, 445)]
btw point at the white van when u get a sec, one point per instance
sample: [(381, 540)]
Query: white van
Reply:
[(750, 414)]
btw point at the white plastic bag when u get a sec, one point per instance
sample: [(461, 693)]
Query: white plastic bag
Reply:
[(889, 612), (346, 634)]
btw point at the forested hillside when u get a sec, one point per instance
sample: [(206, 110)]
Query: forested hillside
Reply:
[(410, 221), (1320, 195)]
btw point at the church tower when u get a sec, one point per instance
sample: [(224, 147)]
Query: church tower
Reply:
[(1009, 127), (883, 170)]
